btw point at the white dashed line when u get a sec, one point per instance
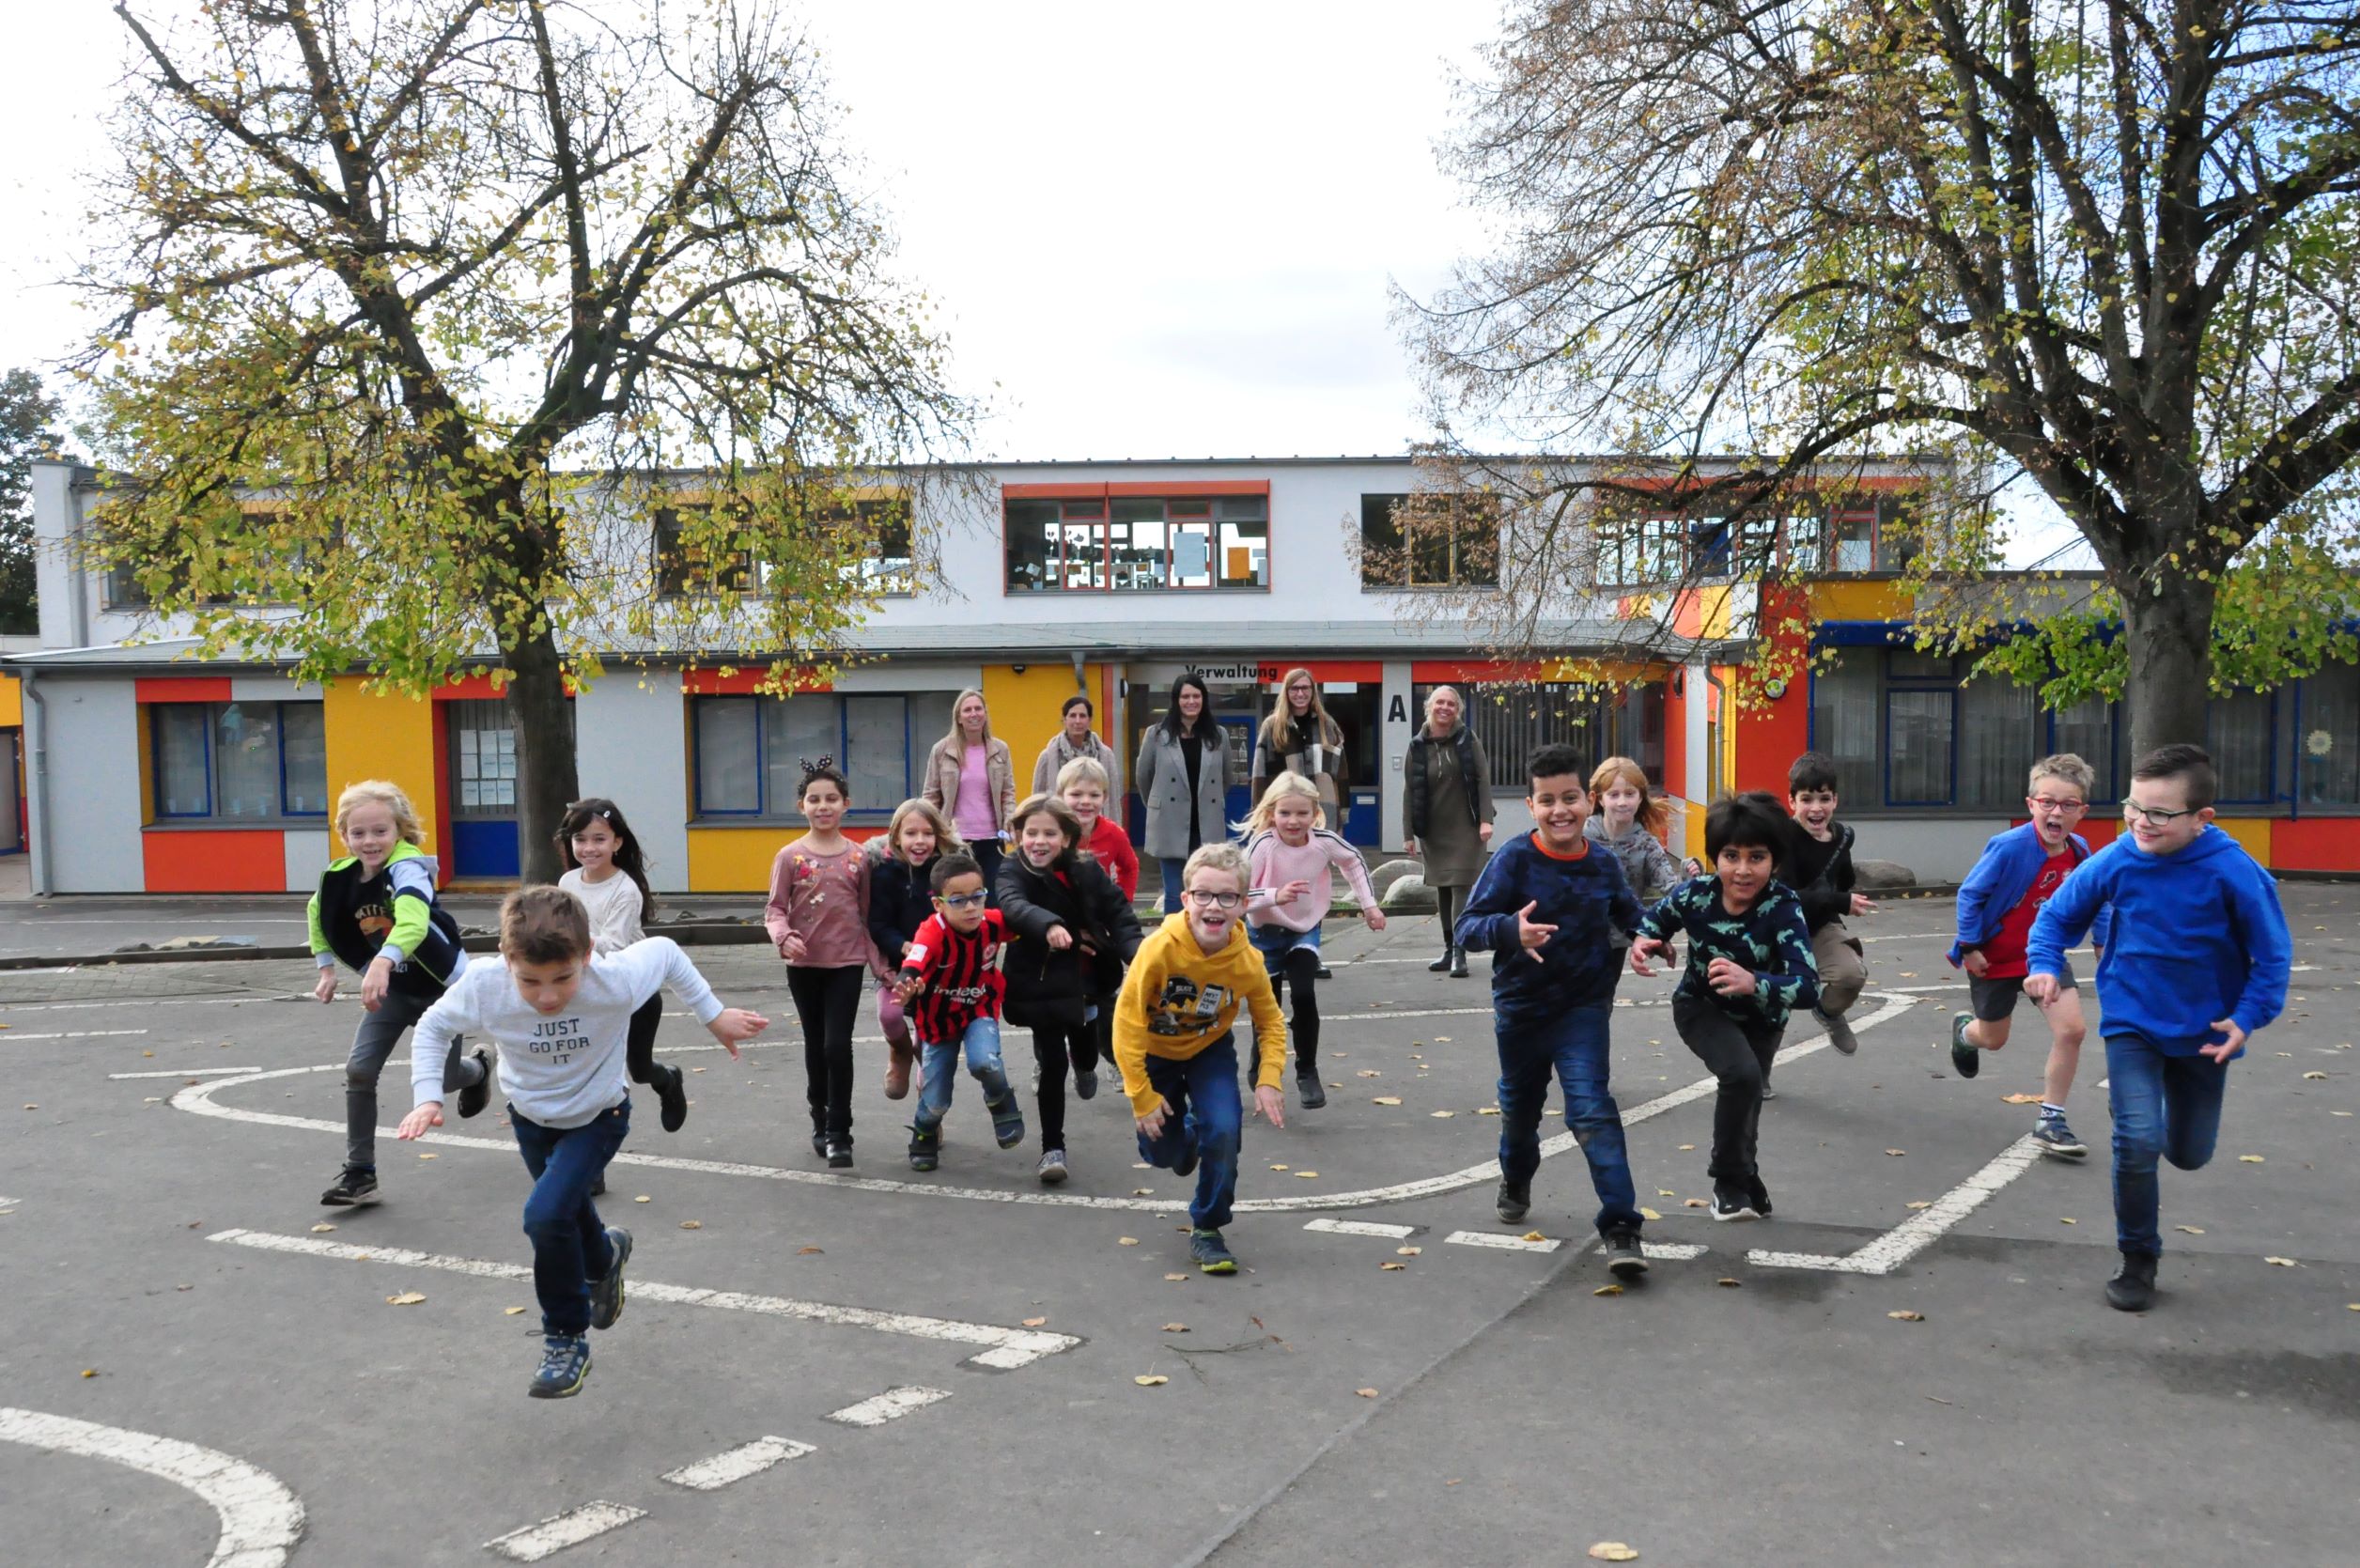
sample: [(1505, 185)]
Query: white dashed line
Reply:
[(186, 1072), (1672, 1252), (1005, 1349), (892, 1404), (1362, 1227), (1501, 1243), (260, 1519), (570, 1528), (1920, 1231), (731, 1464), (10, 1037)]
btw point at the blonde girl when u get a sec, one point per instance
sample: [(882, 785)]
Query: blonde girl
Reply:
[(901, 897), (1291, 861), (1299, 738)]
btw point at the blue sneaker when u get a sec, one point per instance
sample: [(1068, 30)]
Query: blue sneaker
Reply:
[(564, 1363), (2056, 1139), (1008, 1119), (606, 1295), (1211, 1252)]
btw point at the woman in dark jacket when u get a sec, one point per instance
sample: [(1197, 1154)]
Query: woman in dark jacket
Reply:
[(1182, 776), (1071, 932), (1448, 784)]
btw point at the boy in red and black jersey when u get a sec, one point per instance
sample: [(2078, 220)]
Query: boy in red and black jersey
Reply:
[(950, 987)]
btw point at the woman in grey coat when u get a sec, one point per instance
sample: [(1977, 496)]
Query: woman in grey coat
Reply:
[(1183, 776)]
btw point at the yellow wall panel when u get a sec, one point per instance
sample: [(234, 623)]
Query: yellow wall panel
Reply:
[(734, 860), (11, 702), (1024, 709), (2252, 832), (381, 736), (1856, 601)]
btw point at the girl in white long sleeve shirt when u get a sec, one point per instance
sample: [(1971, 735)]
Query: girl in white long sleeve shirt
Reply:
[(610, 877)]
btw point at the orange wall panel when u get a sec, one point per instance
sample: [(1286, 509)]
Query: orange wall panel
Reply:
[(240, 861), (2315, 844), (183, 689)]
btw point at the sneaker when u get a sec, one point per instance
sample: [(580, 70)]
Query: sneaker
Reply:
[(1733, 1203), (1008, 1119), (1310, 1091), (1965, 1058), (672, 1094), (925, 1148), (1211, 1252), (897, 1064), (564, 1362), (606, 1295), (1839, 1032), (1624, 1260), (1324, 973), (1052, 1167), (2133, 1287), (2056, 1139), (357, 1186), (1514, 1203), (1768, 1094), (1760, 1196), (839, 1153), (1085, 1083), (597, 1185), (477, 1095)]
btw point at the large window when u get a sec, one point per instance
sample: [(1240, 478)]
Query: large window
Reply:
[(751, 750), (887, 568), (1098, 543), (1513, 719), (239, 761), (2327, 739), (1859, 536), (1430, 540)]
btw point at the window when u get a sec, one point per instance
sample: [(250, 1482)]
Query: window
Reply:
[(1845, 724), (2238, 730), (1093, 544), (2327, 743), (1513, 719), (1638, 552), (888, 565), (1430, 540), (2091, 730), (1918, 727), (751, 750), (239, 761)]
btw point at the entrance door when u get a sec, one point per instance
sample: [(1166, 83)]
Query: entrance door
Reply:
[(11, 815), (483, 792)]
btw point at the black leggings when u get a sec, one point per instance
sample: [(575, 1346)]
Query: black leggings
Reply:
[(1302, 970), (1447, 901), (828, 1001), (1054, 1047), (639, 1052)]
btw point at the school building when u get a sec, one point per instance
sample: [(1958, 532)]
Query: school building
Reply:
[(143, 768)]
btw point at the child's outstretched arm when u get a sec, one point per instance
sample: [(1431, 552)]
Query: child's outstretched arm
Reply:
[(457, 1011), (2060, 924), (326, 988), (2261, 926), (1491, 921), (1356, 874), (1145, 980), (1795, 981), (657, 963)]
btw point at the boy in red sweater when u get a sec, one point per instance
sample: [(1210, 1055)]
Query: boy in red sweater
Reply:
[(1082, 784), (950, 987)]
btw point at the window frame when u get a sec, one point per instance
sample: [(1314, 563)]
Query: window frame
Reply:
[(1091, 515), (152, 715), (749, 578), (766, 808)]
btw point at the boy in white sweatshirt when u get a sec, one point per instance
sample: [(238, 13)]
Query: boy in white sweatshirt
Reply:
[(562, 1018)]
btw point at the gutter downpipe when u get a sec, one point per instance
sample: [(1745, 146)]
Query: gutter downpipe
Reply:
[(37, 780)]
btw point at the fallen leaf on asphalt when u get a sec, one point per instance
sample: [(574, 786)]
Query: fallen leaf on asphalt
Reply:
[(1694, 1204), (1608, 1290), (2020, 1099), (1921, 1203), (89, 1372), (1365, 1394), (1534, 1235), (2249, 1159), (696, 1069), (407, 1298), (1726, 1283), (1907, 1316), (1441, 1114), (1460, 1481), (323, 1228), (2282, 1262), (32, 1107), (1126, 1241), (147, 1053), (1151, 1380), (428, 1156), (2063, 1220), (1386, 1099), (1666, 1192), (1035, 1321), (806, 1252), (1175, 1328), (2352, 1306), (643, 1198), (692, 1225), (1175, 1278), (1281, 1167), (1896, 1152), (1391, 1266), (2340, 1114), (1140, 1165), (1307, 1175), (1486, 1111), (1909, 974), (1370, 1072), (1409, 1251), (1442, 1039), (1687, 1148), (1646, 1213), (1142, 1192), (2319, 1077), (2189, 1230), (1614, 1551)]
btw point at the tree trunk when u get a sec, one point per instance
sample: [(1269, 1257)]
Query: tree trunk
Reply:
[(2171, 662), (547, 782)]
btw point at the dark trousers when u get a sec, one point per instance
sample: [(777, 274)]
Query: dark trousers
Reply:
[(1204, 1113), (639, 1049), (2166, 1108), (1054, 1047), (828, 1003), (569, 1246), (1291, 962), (1738, 1054), (988, 854), (1577, 1046)]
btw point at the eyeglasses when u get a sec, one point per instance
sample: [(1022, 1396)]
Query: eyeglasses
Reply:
[(2154, 816), (1206, 897), (2037, 800), (961, 900)]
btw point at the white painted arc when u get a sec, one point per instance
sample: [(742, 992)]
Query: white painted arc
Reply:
[(184, 1072), (560, 1530), (1905, 1241), (735, 1464), (1004, 1349), (261, 1518), (198, 1099), (891, 1405)]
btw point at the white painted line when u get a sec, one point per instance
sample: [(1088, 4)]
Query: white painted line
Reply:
[(10, 1036), (1672, 1252), (711, 1475), (1502, 1243), (185, 1071), (1921, 1230), (1920, 990), (1005, 1349), (151, 1001), (570, 1528), (260, 1519), (198, 1099), (1362, 1227), (892, 1404)]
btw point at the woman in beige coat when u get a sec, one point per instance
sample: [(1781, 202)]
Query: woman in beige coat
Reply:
[(971, 779)]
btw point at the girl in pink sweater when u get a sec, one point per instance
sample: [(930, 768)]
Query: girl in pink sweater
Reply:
[(1292, 857), (818, 917)]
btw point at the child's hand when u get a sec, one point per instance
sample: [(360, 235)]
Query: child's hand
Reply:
[(424, 1119), (374, 983), (909, 985), (1693, 867), (1151, 1125), (326, 989), (2041, 988), (1293, 891), (2232, 1038), (1728, 979), (733, 1024), (793, 948), (1977, 965), (1530, 932), (1271, 1104), (1643, 948), (1863, 904), (1060, 938), (1375, 918)]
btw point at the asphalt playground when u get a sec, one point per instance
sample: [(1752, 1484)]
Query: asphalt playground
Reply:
[(1910, 1361)]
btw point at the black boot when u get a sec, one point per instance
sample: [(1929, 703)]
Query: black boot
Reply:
[(1458, 963), (2132, 1289), (1442, 965)]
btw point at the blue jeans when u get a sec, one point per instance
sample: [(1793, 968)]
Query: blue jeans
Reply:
[(2165, 1105), (1204, 1112), (1171, 870), (980, 1043), (569, 1247), (1575, 1046)]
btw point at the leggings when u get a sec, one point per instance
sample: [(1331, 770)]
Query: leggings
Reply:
[(639, 1050), (1301, 969), (1447, 900), (1054, 1047), (828, 1001)]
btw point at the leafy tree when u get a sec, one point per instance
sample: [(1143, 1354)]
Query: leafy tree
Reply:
[(2112, 245), (425, 314), (27, 418)]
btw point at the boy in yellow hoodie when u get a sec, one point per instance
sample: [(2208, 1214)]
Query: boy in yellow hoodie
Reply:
[(1173, 1043)]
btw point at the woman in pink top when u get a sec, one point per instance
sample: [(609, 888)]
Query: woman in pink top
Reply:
[(818, 917), (1293, 860), (971, 779)]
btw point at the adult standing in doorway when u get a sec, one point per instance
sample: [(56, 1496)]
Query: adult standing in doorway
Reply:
[(1183, 776), (1299, 738), (971, 779), (1448, 781), (1076, 739)]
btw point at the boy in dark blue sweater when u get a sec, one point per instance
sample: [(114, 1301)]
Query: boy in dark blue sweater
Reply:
[(1547, 907), (2197, 960)]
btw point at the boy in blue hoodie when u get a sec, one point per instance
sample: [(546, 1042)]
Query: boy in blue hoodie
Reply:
[(2197, 962), (2019, 872), (1548, 906)]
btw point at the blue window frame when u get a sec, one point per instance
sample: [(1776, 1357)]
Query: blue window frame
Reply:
[(749, 752), (239, 761)]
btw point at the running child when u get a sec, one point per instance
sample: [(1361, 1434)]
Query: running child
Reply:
[(901, 899), (1291, 855), (375, 909), (2018, 872), (1174, 1041), (1084, 786), (561, 1013), (1548, 907), (1073, 932), (2197, 962), (1750, 965), (818, 917), (1628, 817), (606, 871), (1818, 866), (952, 983)]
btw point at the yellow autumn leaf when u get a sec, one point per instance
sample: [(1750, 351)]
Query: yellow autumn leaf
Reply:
[(2316, 1077), (1391, 1266), (1646, 1213), (2249, 1159), (1126, 1241), (1441, 1115), (2189, 1230), (1896, 1152), (2062, 1219), (1694, 1203), (1365, 1394), (643, 1198), (429, 1156), (1614, 1551), (1907, 1316), (1687, 1148), (1307, 1175), (1035, 1321), (1386, 1099), (1608, 1290), (1142, 1192), (1371, 1072), (692, 1225), (323, 1228), (807, 1251), (1921, 1203), (2020, 1099), (1175, 1278), (1281, 1167), (1176, 1329), (2282, 1262), (407, 1298), (1409, 1251), (1486, 1111), (1151, 1380), (1728, 1283), (511, 1312)]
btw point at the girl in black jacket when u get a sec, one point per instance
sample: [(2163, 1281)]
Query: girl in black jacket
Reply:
[(901, 897), (1073, 934)]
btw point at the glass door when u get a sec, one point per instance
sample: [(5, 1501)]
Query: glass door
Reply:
[(483, 791)]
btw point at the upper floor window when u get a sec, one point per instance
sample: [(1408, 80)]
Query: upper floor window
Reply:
[(1111, 542), (687, 566), (1430, 539), (1861, 534), (239, 761)]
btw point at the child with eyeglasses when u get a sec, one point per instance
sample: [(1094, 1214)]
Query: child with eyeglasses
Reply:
[(951, 986), (1174, 1043)]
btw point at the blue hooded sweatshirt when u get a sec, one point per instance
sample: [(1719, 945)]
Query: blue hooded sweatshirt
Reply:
[(2198, 936), (2008, 866)]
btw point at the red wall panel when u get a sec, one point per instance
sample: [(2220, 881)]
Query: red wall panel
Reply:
[(247, 860)]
